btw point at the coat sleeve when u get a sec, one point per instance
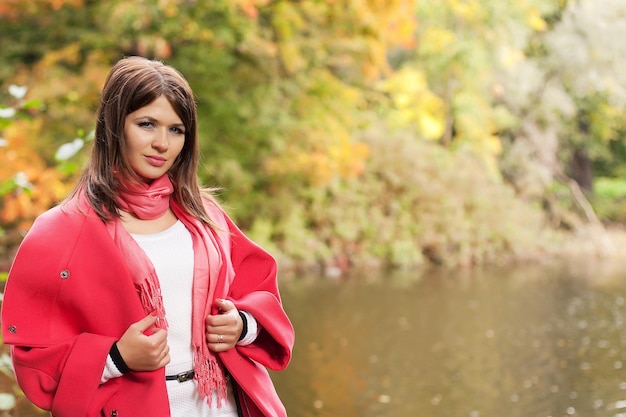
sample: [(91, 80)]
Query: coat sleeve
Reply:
[(67, 299), (49, 375), (255, 289)]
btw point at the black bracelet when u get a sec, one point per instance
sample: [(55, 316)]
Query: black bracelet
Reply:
[(118, 360), (244, 331)]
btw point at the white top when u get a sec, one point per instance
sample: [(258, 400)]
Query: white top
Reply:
[(171, 253)]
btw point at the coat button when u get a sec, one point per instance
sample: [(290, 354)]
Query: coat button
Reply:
[(12, 329), (114, 413), (65, 274)]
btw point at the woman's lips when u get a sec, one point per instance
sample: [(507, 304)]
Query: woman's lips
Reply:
[(156, 161)]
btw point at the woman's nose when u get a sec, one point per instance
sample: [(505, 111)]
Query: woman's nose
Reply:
[(161, 142)]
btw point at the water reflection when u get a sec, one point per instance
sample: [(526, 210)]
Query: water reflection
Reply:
[(531, 342)]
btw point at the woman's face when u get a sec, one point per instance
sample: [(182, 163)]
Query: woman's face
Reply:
[(155, 135)]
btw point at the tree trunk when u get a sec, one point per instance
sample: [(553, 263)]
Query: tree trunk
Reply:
[(581, 170)]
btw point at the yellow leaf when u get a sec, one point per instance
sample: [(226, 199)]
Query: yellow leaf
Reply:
[(470, 10), (290, 57), (535, 21), (509, 56), (431, 127), (436, 40)]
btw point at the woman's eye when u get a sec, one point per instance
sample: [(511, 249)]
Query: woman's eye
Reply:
[(178, 131), (145, 124)]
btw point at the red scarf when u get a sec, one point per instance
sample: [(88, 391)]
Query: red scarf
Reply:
[(149, 202)]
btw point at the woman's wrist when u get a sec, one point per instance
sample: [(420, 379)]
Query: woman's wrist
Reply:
[(118, 360), (244, 330), (251, 329)]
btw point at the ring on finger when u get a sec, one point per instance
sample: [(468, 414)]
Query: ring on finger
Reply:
[(220, 339)]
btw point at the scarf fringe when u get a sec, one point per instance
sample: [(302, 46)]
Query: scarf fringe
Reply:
[(152, 301), (210, 377)]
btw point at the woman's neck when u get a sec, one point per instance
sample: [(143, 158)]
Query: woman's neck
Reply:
[(135, 225)]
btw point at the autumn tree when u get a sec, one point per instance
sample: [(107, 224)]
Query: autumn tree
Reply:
[(289, 93)]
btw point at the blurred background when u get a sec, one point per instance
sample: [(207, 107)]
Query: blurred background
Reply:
[(441, 181)]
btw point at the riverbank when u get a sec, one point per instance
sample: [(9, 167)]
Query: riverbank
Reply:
[(588, 243), (592, 243)]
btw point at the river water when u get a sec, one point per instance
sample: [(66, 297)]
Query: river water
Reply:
[(533, 341), (529, 341)]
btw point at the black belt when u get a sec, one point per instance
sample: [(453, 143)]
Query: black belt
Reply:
[(181, 377)]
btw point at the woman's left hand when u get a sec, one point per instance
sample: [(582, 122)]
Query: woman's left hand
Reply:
[(223, 329)]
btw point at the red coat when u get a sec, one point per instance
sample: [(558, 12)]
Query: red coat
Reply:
[(69, 296)]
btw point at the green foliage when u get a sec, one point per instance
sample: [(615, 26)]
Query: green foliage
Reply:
[(610, 188), (609, 199), (287, 92), (463, 48), (445, 204), (416, 203), (597, 128)]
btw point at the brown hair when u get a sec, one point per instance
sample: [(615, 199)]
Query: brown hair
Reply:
[(132, 83)]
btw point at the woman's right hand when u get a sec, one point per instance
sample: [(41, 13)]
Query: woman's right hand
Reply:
[(143, 352)]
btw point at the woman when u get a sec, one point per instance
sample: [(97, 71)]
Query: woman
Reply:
[(138, 296)]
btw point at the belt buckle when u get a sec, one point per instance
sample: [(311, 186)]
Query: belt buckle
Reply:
[(184, 376)]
